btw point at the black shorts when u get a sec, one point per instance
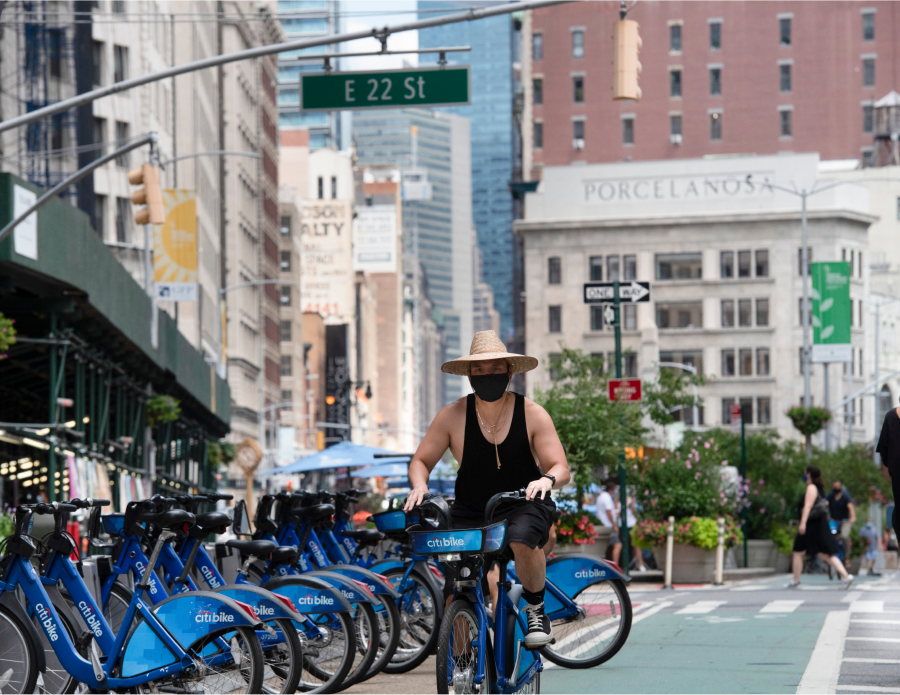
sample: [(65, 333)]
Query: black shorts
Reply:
[(527, 522)]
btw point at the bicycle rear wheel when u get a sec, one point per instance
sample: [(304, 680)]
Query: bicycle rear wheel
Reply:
[(18, 655), (597, 632), (457, 653), (327, 658), (367, 639), (419, 625), (284, 660), (388, 617)]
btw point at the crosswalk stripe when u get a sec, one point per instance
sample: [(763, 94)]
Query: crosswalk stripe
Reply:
[(867, 689), (781, 607), (867, 607), (874, 621), (892, 640), (701, 607), (851, 596), (863, 660)]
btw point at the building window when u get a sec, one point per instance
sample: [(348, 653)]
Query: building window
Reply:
[(97, 67), (537, 47), (868, 156), (715, 126), (743, 264), (786, 120), (321, 188), (287, 398), (629, 366), (868, 26), (679, 314), (868, 66), (784, 31), (285, 225), (679, 266), (762, 361), (122, 205), (287, 365), (715, 36), (596, 317), (578, 89), (627, 131), (868, 118), (578, 44), (612, 268), (285, 261), (728, 362), (675, 127), (764, 411), (692, 357), (800, 309), (762, 263), (629, 317), (726, 410), (727, 264), (762, 312), (675, 38), (118, 6), (285, 331), (334, 187), (121, 140), (120, 63), (555, 319), (100, 215), (745, 362), (578, 131), (629, 268), (809, 259), (861, 313), (727, 313), (554, 360), (285, 296), (674, 83), (554, 270), (745, 312), (537, 91), (99, 136), (715, 82), (538, 135), (747, 410), (859, 265), (596, 262), (784, 72)]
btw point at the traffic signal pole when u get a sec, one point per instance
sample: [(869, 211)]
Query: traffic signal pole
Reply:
[(623, 474)]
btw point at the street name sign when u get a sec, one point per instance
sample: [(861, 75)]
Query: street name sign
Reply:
[(831, 312), (602, 292), (394, 89), (625, 390)]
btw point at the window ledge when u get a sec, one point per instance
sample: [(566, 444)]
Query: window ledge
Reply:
[(611, 334), (712, 281), (729, 380), (716, 331)]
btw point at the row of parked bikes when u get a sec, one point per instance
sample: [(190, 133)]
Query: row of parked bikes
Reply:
[(310, 604)]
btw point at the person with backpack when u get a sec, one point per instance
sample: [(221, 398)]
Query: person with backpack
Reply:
[(814, 535)]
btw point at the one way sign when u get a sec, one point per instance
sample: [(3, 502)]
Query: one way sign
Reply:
[(602, 292)]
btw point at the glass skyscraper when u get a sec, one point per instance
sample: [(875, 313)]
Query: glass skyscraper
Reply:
[(493, 134)]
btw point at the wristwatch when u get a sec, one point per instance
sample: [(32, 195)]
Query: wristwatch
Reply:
[(552, 478)]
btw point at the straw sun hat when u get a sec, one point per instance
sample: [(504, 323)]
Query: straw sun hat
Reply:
[(487, 346)]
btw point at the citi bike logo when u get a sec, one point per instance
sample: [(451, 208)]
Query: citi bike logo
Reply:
[(590, 574), (310, 600), (317, 551), (442, 543), (209, 576), (46, 621), (348, 544), (210, 617), (264, 610), (90, 618), (302, 561), (141, 567)]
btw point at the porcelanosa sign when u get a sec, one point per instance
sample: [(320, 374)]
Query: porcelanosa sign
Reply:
[(713, 186)]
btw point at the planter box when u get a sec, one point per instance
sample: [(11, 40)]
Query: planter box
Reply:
[(598, 549), (690, 565), (783, 562), (760, 553), (891, 560)]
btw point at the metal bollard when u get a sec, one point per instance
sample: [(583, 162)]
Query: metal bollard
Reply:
[(720, 553), (670, 545)]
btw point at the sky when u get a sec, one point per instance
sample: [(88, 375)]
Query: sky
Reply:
[(365, 14)]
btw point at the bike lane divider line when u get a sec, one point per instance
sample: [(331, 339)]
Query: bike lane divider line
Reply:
[(824, 667), (781, 607), (700, 607)]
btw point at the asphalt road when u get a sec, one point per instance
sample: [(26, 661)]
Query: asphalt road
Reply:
[(746, 637)]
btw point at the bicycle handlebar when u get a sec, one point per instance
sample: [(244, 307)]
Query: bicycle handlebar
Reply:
[(499, 497), (89, 503)]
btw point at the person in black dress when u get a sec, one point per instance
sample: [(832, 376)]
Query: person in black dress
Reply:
[(889, 448), (813, 535)]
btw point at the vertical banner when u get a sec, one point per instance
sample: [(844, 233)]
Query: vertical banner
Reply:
[(337, 383), (375, 239), (831, 313), (175, 248)]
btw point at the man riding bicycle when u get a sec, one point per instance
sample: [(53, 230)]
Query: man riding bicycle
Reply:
[(503, 442)]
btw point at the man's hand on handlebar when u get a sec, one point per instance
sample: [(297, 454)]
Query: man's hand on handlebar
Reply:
[(539, 489), (415, 497)]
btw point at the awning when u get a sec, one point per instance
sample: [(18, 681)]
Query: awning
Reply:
[(341, 455)]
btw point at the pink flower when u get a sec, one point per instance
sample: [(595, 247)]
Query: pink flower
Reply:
[(706, 444), (688, 464), (663, 461), (762, 511), (725, 462)]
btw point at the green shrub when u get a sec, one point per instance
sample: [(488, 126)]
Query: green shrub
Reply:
[(783, 538), (808, 421)]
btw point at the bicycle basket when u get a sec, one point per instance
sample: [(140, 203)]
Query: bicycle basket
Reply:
[(480, 540), (113, 523), (390, 521)]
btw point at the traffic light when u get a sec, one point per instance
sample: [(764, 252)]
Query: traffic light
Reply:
[(150, 195), (626, 66)]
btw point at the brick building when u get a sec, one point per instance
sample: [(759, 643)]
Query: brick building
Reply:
[(718, 78)]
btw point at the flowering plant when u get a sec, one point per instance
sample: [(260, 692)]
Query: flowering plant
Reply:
[(701, 532), (576, 528), (7, 335)]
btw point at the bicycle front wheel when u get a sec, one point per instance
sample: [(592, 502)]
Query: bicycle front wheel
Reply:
[(597, 631), (457, 653)]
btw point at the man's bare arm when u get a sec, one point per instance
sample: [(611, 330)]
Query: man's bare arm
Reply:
[(433, 445), (550, 453)]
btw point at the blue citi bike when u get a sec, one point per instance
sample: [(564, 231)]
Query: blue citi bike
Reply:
[(198, 642)]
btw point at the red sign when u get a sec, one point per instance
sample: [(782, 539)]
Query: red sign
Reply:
[(734, 411), (625, 390)]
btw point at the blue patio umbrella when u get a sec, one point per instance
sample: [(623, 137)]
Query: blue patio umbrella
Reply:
[(382, 470), (341, 455)]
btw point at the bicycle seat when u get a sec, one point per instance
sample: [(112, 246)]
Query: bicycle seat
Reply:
[(316, 512), (172, 520), (254, 548), (213, 520), (366, 536), (285, 554)]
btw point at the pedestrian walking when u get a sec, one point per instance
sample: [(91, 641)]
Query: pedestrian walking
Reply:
[(813, 535), (870, 533), (889, 448), (606, 510), (840, 507), (631, 517)]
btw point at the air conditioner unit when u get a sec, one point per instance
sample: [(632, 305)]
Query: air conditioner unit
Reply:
[(578, 144), (675, 138)]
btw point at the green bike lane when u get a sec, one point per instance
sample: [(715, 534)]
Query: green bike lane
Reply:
[(728, 652)]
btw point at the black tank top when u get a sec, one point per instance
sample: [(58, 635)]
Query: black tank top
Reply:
[(478, 478)]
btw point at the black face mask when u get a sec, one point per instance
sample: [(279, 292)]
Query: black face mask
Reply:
[(489, 387)]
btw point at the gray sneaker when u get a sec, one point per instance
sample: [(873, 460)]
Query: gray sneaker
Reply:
[(792, 585), (848, 580)]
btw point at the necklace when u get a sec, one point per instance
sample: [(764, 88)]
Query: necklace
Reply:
[(493, 429)]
